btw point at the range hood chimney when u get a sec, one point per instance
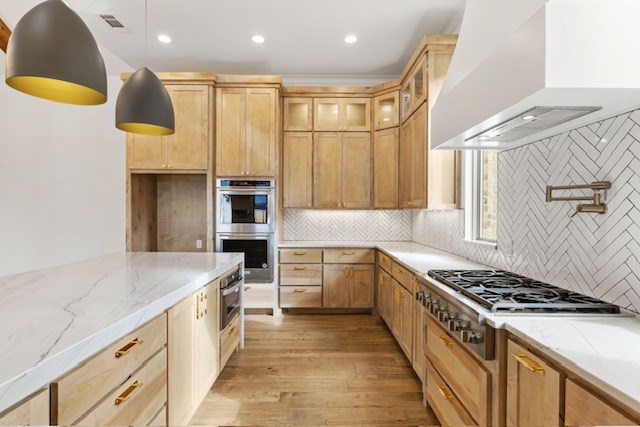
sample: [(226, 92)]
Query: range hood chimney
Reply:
[(528, 69)]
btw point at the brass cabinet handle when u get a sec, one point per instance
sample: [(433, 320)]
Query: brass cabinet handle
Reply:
[(127, 393), (232, 330), (299, 290), (414, 282), (399, 270), (127, 348), (246, 288), (299, 253), (445, 341), (444, 392), (299, 268), (346, 270), (348, 253), (527, 362)]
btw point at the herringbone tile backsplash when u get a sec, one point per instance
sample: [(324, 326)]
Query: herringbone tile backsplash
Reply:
[(347, 225), (598, 255)]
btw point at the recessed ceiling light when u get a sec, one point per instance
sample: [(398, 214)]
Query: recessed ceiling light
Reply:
[(351, 39), (257, 39), (529, 117), (163, 38), (483, 137)]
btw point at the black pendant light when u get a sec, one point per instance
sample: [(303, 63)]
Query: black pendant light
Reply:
[(52, 55), (144, 106)]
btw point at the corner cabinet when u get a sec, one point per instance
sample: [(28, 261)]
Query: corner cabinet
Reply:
[(188, 147), (246, 127)]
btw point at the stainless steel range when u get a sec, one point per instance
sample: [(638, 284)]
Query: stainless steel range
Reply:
[(497, 292)]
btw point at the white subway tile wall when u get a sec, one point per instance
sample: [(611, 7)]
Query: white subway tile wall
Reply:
[(598, 255), (383, 225)]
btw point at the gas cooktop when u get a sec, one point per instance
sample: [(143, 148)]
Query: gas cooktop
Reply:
[(504, 292)]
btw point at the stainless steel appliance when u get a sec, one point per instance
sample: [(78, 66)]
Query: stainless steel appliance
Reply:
[(259, 253), (245, 206), (497, 292), (230, 298)]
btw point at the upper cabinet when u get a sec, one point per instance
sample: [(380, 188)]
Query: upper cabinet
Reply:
[(342, 114), (298, 114), (246, 132), (386, 110), (414, 89), (188, 147), (297, 179), (413, 161)]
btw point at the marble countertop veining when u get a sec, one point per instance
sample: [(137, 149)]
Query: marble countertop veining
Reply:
[(604, 350), (52, 319)]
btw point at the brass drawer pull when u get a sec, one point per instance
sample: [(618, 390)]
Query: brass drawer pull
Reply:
[(348, 253), (444, 392), (299, 268), (299, 290), (414, 282), (399, 270), (445, 341), (299, 253), (246, 288), (127, 393), (527, 362), (127, 348)]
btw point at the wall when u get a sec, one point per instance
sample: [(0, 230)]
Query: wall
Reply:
[(62, 181), (598, 255), (347, 225)]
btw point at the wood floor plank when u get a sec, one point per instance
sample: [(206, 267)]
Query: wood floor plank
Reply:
[(310, 370)]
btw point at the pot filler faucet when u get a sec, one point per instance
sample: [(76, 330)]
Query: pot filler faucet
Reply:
[(598, 206)]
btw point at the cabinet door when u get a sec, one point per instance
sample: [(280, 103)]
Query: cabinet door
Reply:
[(146, 152), (418, 335), (419, 158), (33, 411), (181, 361), (361, 288), (335, 287), (396, 306), (260, 145), (419, 84), (298, 114), (382, 293), (385, 110), (188, 147), (385, 169), (584, 408), (405, 100), (326, 114), (356, 170), (327, 167), (355, 114), (533, 389), (230, 132), (297, 170), (207, 339), (406, 342), (406, 165)]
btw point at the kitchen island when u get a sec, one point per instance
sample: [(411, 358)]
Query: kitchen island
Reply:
[(55, 319)]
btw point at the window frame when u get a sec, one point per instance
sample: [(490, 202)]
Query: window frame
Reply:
[(473, 199)]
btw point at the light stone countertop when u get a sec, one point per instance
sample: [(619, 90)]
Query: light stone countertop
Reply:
[(604, 350), (52, 319)]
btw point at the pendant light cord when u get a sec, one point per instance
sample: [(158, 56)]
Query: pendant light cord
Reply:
[(146, 32)]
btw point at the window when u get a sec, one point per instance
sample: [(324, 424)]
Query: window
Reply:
[(481, 201)]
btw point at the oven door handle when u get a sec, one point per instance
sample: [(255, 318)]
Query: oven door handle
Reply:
[(231, 289)]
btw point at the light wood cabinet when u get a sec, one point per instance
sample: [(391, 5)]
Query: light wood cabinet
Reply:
[(229, 341), (385, 169), (413, 161), (207, 336), (386, 110), (586, 408), (403, 318), (301, 297), (297, 170), (297, 256), (349, 256), (34, 410), (342, 170), (188, 147), (534, 389), (300, 274), (298, 114), (342, 114), (348, 286), (414, 89), (384, 296), (246, 132), (446, 405)]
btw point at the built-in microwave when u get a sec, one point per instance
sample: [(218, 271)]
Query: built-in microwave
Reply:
[(259, 253), (245, 206)]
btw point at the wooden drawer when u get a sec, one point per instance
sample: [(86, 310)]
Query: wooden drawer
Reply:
[(85, 386), (301, 297), (584, 408), (402, 275), (34, 410), (384, 261), (301, 256), (300, 274), (466, 377), (258, 295), (229, 340), (449, 410), (160, 419), (349, 256), (137, 401)]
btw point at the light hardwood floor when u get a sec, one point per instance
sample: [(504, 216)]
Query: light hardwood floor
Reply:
[(316, 370)]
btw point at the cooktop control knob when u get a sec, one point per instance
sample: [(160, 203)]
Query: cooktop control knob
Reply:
[(453, 325), (471, 336), (443, 315)]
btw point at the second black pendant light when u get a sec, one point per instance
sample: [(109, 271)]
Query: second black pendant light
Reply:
[(144, 106)]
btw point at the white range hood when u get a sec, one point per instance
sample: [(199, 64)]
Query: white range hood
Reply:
[(524, 70)]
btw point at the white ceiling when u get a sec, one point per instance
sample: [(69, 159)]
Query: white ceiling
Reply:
[(304, 39)]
